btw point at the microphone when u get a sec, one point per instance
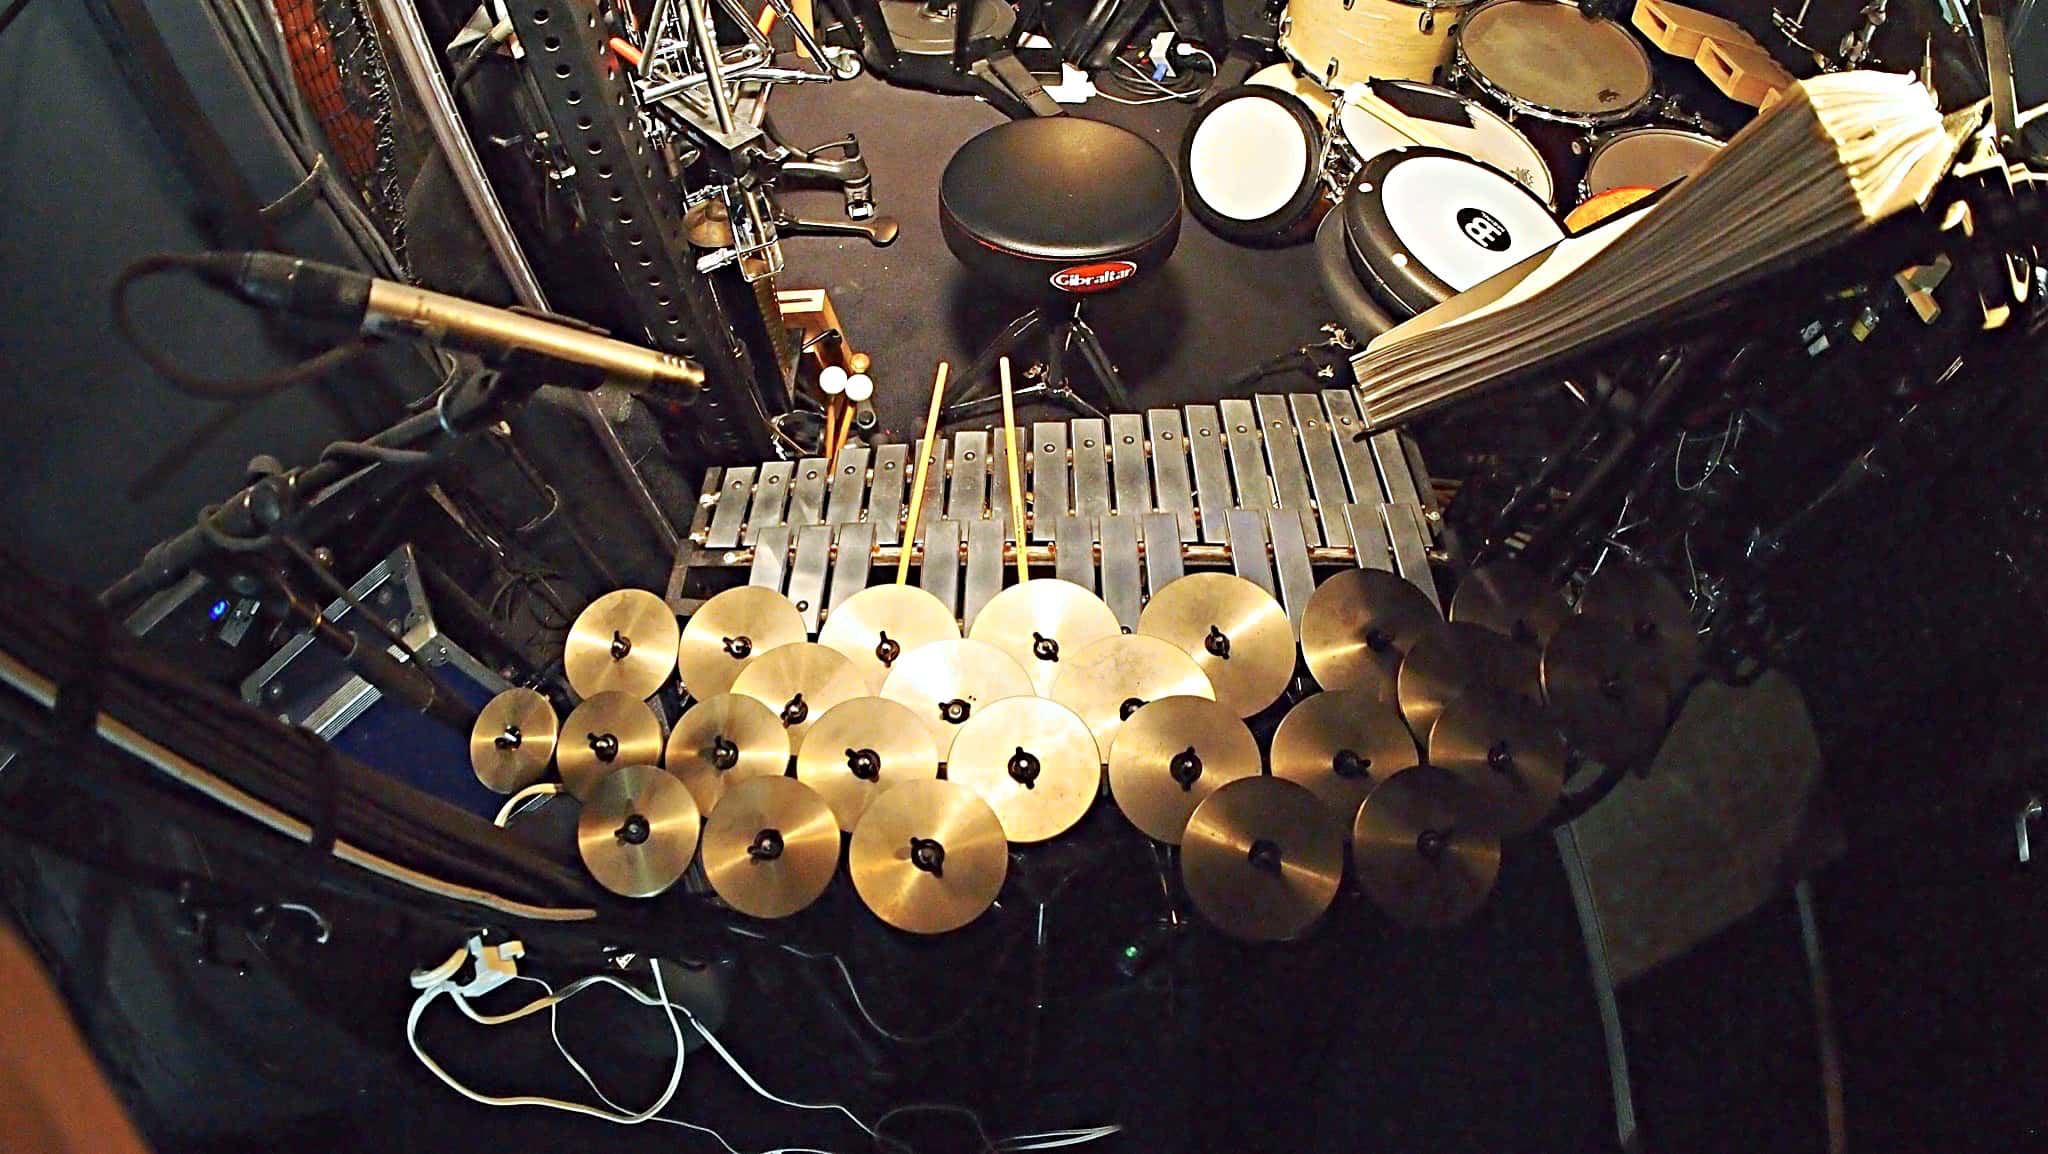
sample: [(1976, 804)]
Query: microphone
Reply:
[(382, 308)]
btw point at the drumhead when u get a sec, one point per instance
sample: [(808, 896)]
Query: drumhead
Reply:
[(1425, 224), (1551, 61), (1646, 157), (1250, 161), (1489, 138)]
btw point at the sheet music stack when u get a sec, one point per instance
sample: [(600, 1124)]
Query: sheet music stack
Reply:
[(1835, 156)]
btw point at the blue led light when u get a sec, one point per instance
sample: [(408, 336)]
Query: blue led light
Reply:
[(218, 610)]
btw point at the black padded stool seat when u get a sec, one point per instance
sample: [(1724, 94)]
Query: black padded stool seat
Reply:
[(1025, 201)]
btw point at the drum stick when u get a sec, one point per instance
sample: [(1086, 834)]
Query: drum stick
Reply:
[(926, 452), (1016, 472)]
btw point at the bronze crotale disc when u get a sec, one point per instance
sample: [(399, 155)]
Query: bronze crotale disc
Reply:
[(1511, 599), (513, 740), (623, 642), (1652, 612), (1447, 664), (1172, 754), (771, 848), (731, 630), (1233, 629), (1341, 744), (1357, 627), (1419, 851), (1508, 752), (879, 625), (946, 682), (1606, 691), (604, 733), (1262, 858), (861, 748), (1035, 763), (637, 831), (724, 740), (929, 856), (1043, 622), (1110, 680), (800, 683)]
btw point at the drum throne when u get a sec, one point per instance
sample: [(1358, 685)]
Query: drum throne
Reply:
[(1053, 211)]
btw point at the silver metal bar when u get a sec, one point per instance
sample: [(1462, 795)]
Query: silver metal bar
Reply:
[(940, 573), (934, 485), (1283, 458), (1368, 528), (807, 574), (969, 489), (999, 478), (1359, 470), (731, 512), (984, 568), (852, 565), (1826, 1042), (1163, 563), (1419, 473), (1120, 588), (1248, 549), (1170, 469), (1603, 986), (421, 66), (849, 485), (1212, 478), (707, 499), (1073, 551), (1409, 536), (1392, 460), (885, 502), (1247, 460), (1091, 468), (1291, 565), (771, 495), (1325, 475), (714, 65), (771, 558), (807, 492), (1050, 496), (1127, 464)]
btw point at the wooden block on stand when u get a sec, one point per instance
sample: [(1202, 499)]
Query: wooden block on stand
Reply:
[(1744, 72), (1676, 29)]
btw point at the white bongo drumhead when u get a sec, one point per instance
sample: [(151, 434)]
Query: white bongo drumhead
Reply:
[(1647, 158), (1555, 62), (1489, 138), (1248, 159), (1463, 222)]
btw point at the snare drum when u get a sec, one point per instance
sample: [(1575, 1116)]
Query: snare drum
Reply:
[(1551, 61), (1252, 165), (1424, 224), (1341, 42), (1489, 138), (1645, 158)]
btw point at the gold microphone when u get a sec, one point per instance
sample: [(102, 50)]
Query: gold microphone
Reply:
[(382, 308)]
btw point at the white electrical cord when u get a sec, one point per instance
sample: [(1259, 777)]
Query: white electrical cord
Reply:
[(512, 804), (443, 983), (1167, 94)]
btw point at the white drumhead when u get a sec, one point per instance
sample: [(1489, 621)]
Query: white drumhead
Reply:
[(1647, 158), (1555, 60), (1248, 159), (1489, 138), (1462, 221)]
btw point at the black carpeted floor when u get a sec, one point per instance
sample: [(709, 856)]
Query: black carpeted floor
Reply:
[(1215, 310)]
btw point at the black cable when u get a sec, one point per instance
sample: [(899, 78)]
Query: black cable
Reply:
[(13, 10), (214, 388), (472, 63)]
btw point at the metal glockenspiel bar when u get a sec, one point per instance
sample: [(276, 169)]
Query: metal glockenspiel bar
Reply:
[(1273, 487)]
